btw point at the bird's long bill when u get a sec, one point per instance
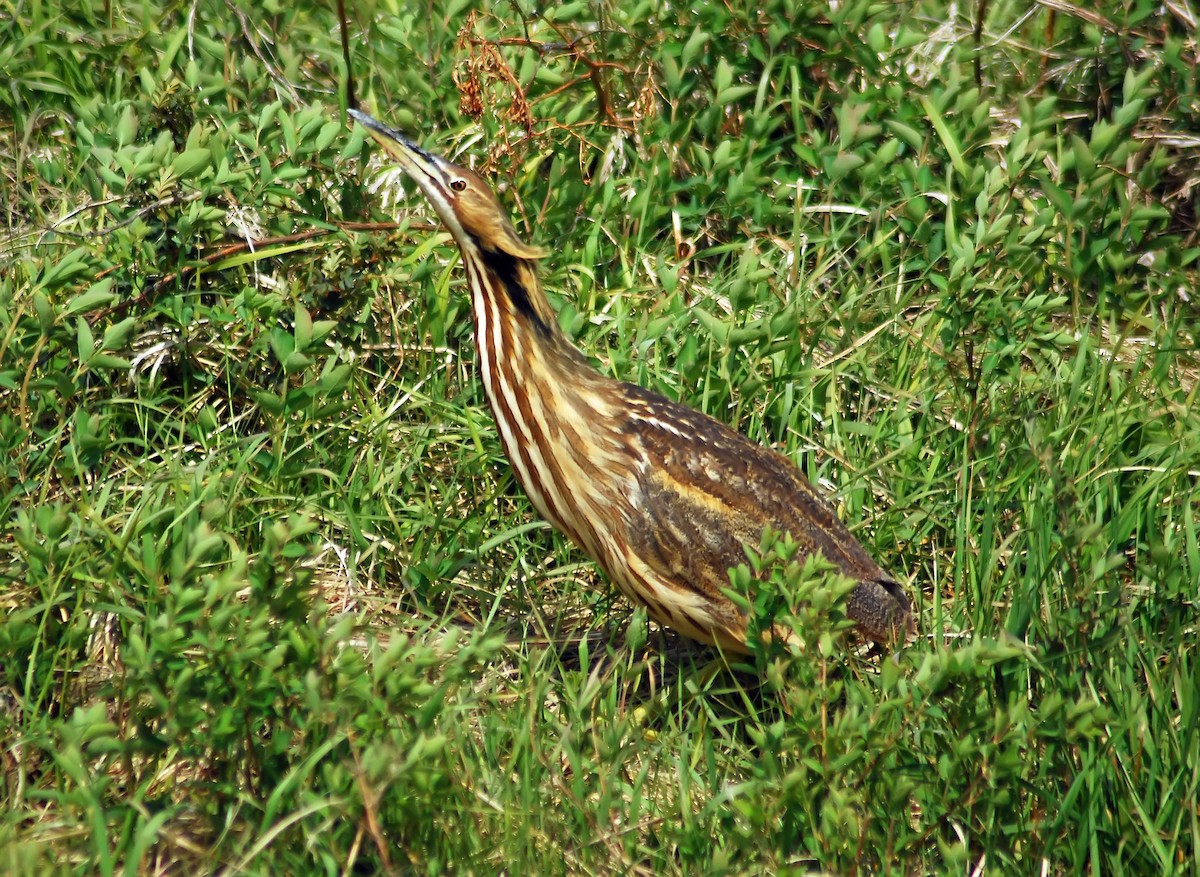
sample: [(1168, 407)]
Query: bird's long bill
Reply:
[(467, 207), (420, 165)]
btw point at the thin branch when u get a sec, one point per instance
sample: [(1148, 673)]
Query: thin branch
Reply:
[(351, 100), (232, 249), (169, 201)]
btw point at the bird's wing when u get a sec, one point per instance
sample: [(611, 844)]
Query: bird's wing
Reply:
[(707, 492)]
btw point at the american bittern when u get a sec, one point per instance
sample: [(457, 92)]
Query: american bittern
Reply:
[(664, 498)]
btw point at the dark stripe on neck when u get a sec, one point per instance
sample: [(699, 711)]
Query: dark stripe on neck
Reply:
[(507, 269)]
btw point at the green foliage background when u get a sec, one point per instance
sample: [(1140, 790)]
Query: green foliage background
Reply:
[(270, 600)]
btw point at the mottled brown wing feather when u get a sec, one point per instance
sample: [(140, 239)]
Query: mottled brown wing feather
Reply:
[(705, 499)]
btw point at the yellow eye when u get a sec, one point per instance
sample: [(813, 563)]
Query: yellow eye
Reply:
[(458, 185)]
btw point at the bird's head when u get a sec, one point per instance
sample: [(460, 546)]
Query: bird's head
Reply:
[(466, 204)]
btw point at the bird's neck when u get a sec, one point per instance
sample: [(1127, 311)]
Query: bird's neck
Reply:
[(516, 330), (514, 283), (547, 399)]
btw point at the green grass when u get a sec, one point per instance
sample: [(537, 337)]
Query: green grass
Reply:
[(271, 602)]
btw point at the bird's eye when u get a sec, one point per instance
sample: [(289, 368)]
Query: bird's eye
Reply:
[(459, 185)]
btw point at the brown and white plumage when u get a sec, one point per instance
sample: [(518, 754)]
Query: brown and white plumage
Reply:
[(666, 499)]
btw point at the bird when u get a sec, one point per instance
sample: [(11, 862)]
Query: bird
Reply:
[(665, 498)]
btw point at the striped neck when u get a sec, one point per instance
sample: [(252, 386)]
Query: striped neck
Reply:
[(515, 326), (516, 280), (539, 386)]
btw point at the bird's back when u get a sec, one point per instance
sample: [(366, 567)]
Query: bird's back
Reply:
[(705, 493)]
